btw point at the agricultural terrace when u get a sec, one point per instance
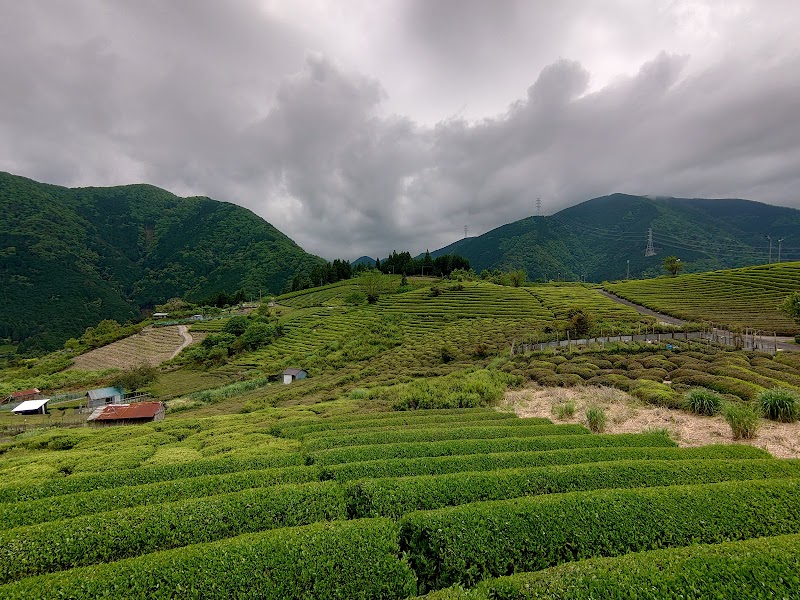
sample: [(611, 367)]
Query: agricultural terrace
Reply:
[(734, 298), (425, 332), (326, 502), (151, 346)]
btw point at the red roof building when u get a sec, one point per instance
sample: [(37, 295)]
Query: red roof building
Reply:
[(21, 396), (127, 414)]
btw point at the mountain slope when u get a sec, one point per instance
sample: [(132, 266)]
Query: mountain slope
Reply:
[(595, 239), (72, 257)]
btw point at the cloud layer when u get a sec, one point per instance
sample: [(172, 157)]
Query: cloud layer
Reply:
[(363, 128)]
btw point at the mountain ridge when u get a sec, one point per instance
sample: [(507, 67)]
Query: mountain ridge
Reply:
[(595, 239), (74, 256)]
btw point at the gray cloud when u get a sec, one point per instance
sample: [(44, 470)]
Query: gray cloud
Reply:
[(262, 107)]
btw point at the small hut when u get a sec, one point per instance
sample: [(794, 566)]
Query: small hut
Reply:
[(32, 407), (103, 396), (22, 396), (127, 414), (289, 375)]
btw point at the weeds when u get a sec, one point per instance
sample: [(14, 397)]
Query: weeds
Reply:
[(779, 404), (596, 419), (703, 402), (742, 419), (564, 411)]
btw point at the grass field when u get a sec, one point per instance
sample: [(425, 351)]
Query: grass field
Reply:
[(734, 298)]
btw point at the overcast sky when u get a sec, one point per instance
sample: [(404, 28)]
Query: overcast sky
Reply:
[(363, 126)]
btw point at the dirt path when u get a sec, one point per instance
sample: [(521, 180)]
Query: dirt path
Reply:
[(662, 318), (782, 343), (626, 414), (187, 339)]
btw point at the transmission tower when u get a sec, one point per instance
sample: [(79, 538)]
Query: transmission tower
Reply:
[(538, 207), (779, 248), (650, 251), (466, 229), (769, 237)]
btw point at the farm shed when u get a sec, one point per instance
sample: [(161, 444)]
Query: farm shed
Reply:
[(160, 315), (289, 375), (127, 414), (32, 407), (196, 317), (23, 395), (103, 396)]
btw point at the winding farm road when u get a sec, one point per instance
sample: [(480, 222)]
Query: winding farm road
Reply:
[(781, 342), (187, 339)]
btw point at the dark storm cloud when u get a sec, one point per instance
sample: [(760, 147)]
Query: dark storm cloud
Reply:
[(241, 105)]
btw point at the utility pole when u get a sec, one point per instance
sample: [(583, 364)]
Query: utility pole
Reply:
[(538, 207), (779, 248), (650, 250), (769, 237), (628, 276)]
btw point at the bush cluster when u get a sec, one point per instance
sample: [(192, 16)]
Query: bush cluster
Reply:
[(465, 544)]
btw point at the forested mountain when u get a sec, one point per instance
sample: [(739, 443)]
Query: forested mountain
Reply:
[(72, 257), (597, 238)]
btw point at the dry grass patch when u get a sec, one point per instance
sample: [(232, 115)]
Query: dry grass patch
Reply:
[(626, 414)]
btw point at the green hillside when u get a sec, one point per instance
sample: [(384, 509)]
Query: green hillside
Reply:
[(72, 257), (736, 298), (595, 239), (390, 472)]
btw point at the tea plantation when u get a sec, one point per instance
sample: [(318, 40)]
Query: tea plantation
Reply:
[(735, 298), (388, 474), (288, 503)]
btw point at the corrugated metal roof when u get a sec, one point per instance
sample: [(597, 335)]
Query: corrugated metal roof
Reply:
[(118, 412), (23, 393), (31, 405), (293, 372), (101, 393)]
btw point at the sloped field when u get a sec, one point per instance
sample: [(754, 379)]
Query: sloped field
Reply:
[(735, 298), (152, 346), (285, 503)]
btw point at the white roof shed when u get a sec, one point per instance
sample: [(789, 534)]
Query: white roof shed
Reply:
[(31, 406)]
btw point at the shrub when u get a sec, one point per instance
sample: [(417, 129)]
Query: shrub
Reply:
[(405, 467), (703, 402), (596, 419), (339, 560), (779, 404), (757, 568), (111, 536), (395, 497), (465, 544), (564, 410), (743, 421), (655, 393), (236, 325), (453, 447)]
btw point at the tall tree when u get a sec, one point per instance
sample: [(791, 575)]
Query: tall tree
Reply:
[(673, 265)]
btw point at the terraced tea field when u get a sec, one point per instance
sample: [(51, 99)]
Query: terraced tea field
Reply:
[(734, 298), (288, 503), (151, 346)]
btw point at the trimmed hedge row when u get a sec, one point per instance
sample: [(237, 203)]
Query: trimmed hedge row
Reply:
[(454, 424), (457, 447), (141, 475), (434, 435), (465, 544), (82, 503), (398, 418), (403, 467), (395, 497), (111, 536), (343, 560), (758, 568)]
